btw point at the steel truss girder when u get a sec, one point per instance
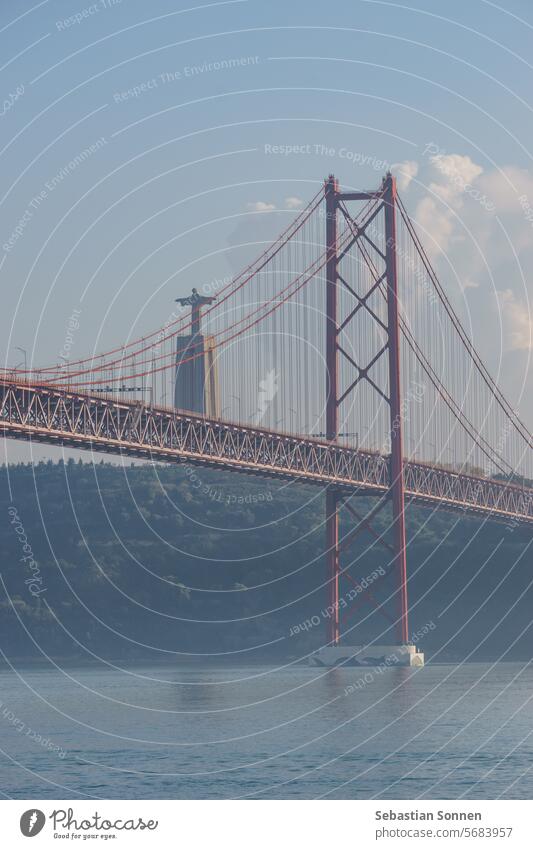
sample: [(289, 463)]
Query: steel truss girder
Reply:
[(45, 414)]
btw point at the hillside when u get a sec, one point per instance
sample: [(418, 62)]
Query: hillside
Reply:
[(135, 562)]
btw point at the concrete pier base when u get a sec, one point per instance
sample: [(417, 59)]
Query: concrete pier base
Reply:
[(399, 655)]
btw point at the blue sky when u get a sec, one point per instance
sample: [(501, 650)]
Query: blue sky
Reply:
[(181, 152)]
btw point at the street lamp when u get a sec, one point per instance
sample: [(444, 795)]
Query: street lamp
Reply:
[(23, 351), (237, 398), (295, 413)]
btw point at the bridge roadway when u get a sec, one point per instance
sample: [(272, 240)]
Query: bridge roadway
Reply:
[(100, 423)]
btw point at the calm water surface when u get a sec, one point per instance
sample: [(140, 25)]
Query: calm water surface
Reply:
[(266, 732)]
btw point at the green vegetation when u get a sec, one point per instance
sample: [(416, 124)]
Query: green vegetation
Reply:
[(129, 559)]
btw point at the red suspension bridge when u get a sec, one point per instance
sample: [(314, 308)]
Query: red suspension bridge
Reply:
[(336, 359)]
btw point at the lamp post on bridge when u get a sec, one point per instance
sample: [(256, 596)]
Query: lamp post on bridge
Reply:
[(293, 422), (25, 355), (238, 399)]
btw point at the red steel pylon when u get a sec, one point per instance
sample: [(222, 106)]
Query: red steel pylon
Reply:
[(335, 201)]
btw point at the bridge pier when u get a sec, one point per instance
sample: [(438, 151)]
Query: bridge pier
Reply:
[(333, 565), (377, 657)]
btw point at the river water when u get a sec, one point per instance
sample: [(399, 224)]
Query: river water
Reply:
[(289, 732)]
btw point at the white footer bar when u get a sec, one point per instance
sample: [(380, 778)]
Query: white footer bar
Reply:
[(267, 824)]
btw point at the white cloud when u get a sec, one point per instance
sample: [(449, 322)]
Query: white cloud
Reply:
[(266, 206), (468, 283), (405, 171), (436, 213), (436, 223), (260, 206), (505, 186), (456, 172), (517, 321), (293, 203), (475, 224)]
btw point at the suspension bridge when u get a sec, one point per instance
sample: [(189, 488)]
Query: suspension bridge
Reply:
[(336, 359)]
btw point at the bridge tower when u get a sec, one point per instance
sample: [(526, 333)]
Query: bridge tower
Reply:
[(337, 200), (331, 189)]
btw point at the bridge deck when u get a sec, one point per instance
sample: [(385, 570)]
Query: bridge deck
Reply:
[(48, 414)]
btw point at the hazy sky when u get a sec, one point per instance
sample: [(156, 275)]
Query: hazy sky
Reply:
[(137, 150)]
